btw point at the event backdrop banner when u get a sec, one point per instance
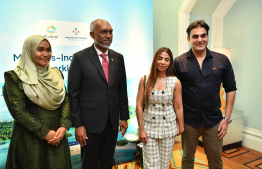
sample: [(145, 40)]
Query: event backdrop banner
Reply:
[(66, 25)]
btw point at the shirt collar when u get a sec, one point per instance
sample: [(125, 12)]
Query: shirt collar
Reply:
[(99, 52), (190, 54)]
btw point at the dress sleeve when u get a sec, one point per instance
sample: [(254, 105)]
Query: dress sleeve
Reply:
[(15, 100)]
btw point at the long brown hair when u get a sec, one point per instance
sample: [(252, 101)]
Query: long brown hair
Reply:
[(153, 72)]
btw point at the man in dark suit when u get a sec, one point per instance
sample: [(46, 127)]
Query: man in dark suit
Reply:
[(98, 93)]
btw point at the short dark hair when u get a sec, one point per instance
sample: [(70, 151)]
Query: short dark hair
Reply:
[(195, 24)]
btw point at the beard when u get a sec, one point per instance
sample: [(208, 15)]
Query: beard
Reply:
[(102, 45)]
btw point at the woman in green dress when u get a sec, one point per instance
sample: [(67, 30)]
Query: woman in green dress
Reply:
[(37, 100)]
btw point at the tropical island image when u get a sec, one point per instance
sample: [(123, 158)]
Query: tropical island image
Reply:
[(5, 130), (126, 147)]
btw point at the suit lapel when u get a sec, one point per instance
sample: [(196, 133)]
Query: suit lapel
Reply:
[(111, 60), (94, 58)]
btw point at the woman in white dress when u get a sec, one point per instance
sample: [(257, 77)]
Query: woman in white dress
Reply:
[(159, 111)]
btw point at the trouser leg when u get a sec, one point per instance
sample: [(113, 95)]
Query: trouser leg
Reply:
[(107, 150), (90, 152), (213, 147), (151, 158), (100, 149), (189, 145), (165, 150)]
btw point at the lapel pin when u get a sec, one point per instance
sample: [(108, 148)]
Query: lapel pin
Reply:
[(112, 59)]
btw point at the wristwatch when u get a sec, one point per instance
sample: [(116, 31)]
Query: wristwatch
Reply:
[(228, 120)]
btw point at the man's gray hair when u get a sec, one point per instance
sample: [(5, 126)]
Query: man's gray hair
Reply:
[(92, 25)]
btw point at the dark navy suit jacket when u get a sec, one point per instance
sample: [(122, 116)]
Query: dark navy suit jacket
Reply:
[(93, 100)]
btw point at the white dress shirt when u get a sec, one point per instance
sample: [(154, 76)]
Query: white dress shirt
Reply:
[(99, 53)]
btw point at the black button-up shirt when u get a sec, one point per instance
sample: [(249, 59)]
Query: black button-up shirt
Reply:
[(200, 88)]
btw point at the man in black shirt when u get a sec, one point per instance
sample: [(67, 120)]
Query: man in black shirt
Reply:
[(201, 72)]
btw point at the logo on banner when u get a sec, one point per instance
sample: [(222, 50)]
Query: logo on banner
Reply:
[(76, 32), (51, 29), (51, 32)]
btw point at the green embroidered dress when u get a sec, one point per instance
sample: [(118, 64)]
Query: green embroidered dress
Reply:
[(28, 148)]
